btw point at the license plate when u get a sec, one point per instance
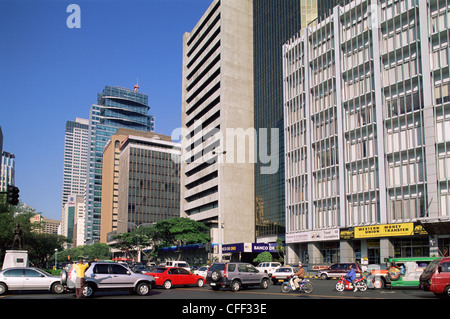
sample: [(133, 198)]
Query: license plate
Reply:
[(280, 280), (212, 284)]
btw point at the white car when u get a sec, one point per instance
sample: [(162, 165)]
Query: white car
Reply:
[(282, 273), (268, 267), (201, 271), (29, 278)]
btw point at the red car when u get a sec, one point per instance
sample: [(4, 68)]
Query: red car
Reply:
[(175, 276)]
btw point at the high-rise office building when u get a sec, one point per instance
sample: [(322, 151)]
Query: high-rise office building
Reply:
[(365, 111), (149, 181), (274, 22), (76, 146), (8, 170), (217, 102), (143, 168), (116, 107)]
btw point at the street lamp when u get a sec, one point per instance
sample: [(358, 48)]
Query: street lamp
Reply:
[(219, 217), (56, 256)]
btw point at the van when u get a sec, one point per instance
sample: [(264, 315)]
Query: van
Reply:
[(178, 263), (338, 270), (436, 277)]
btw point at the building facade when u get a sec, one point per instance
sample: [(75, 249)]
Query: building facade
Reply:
[(73, 222), (149, 181), (46, 226), (76, 146), (8, 171), (116, 107), (365, 133), (217, 179), (146, 176)]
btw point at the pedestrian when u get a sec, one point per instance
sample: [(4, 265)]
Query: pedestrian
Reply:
[(80, 269)]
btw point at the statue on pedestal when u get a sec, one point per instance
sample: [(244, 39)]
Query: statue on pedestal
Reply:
[(18, 237)]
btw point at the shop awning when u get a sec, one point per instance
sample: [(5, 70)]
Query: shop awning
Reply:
[(436, 226)]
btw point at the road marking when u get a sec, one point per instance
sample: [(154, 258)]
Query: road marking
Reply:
[(291, 294)]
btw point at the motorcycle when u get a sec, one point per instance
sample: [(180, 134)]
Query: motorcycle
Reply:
[(304, 286), (344, 284)]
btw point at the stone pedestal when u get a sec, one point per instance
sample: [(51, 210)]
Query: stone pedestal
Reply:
[(15, 258)]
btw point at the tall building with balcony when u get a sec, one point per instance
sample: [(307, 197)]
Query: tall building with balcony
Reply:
[(116, 107), (365, 134), (217, 99), (8, 170), (76, 147)]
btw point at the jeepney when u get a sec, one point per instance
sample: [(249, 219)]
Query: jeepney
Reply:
[(400, 272)]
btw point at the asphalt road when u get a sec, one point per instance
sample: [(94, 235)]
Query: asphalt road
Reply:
[(248, 303), (323, 289)]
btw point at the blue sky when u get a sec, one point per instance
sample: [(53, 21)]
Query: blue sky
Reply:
[(50, 73)]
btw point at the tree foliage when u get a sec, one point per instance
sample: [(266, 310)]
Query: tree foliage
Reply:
[(176, 231), (41, 247)]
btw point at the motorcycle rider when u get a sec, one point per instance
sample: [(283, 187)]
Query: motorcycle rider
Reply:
[(300, 275), (351, 276)]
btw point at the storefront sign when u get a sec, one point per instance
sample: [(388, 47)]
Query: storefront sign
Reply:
[(387, 230), (309, 236), (262, 247)]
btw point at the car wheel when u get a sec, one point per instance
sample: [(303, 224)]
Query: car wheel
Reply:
[(88, 290), (143, 289), (57, 288), (167, 284), (323, 276), (3, 289), (235, 286), (264, 284), (200, 283), (215, 276), (64, 277)]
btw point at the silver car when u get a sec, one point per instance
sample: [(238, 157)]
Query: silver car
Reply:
[(109, 276), (29, 278)]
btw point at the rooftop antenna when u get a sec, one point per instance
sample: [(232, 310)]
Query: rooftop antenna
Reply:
[(136, 86)]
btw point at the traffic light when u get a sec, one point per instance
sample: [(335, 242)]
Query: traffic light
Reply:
[(12, 195)]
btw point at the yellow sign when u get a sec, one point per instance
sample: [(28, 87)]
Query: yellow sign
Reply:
[(388, 230)]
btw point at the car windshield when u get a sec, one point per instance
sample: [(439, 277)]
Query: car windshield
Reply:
[(45, 273), (432, 266), (217, 267), (159, 270)]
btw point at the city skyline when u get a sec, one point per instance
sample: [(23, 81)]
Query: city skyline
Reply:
[(51, 74)]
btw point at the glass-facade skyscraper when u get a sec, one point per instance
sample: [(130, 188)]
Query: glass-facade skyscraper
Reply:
[(116, 107), (274, 22)]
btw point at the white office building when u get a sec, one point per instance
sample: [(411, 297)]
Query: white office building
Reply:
[(76, 146), (367, 114)]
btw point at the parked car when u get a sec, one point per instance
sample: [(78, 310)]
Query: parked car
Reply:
[(337, 270), (178, 263), (436, 277), (168, 277), (109, 276), (29, 278), (235, 275), (268, 267), (282, 273), (202, 271)]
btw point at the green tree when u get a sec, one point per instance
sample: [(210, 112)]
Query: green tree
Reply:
[(263, 257), (42, 249), (181, 231)]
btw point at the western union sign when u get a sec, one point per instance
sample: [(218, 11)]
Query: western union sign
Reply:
[(388, 230)]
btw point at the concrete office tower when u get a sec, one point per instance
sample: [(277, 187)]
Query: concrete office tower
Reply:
[(73, 220), (76, 146), (360, 135), (116, 107), (140, 181), (8, 170), (218, 188)]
